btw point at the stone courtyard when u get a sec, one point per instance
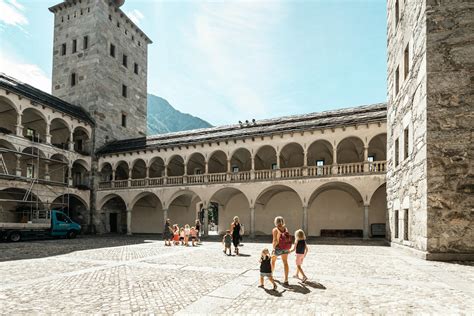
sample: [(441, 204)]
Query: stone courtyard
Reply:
[(118, 274)]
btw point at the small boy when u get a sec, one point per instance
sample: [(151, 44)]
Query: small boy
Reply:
[(227, 241)]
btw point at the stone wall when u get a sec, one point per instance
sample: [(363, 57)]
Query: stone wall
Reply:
[(407, 182), (450, 71)]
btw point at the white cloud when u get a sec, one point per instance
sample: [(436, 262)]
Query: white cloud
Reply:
[(136, 16), (11, 13), (235, 41), (28, 73)]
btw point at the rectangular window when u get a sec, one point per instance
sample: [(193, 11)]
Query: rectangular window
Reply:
[(85, 42), (274, 166), (397, 152), (319, 164), (405, 225), (74, 46), (395, 223), (197, 171), (405, 143), (118, 24), (235, 169), (112, 50), (30, 171), (371, 158), (124, 120), (73, 79), (406, 61), (124, 60), (31, 134), (124, 91), (110, 17), (79, 145), (397, 80), (397, 12), (63, 49), (135, 68)]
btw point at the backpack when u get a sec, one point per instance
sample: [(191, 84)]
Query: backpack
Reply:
[(284, 242)]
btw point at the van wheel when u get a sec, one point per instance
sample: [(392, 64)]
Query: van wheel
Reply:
[(14, 236), (71, 234)]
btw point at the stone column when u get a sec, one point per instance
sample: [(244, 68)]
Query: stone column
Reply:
[(18, 165), (69, 175), (366, 159), (165, 216), (130, 176), (71, 141), (129, 222), (252, 170), (206, 172), (206, 221), (19, 127), (305, 219), (48, 133), (252, 222), (366, 221), (334, 161), (305, 163), (46, 171)]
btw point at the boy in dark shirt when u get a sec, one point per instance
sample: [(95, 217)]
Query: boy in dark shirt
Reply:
[(266, 268), (227, 241)]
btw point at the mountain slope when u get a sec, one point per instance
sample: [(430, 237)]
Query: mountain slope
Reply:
[(163, 118)]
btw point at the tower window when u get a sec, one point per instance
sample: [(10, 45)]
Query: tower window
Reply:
[(397, 12), (125, 61), (112, 50), (124, 120), (397, 152), (135, 68), (397, 80), (118, 24), (405, 143), (85, 42), (110, 17), (81, 12), (74, 46), (395, 222), (406, 61), (73, 79), (124, 91), (63, 49), (139, 44), (405, 225)]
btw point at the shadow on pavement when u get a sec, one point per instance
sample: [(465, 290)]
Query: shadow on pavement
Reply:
[(33, 249), (315, 285), (274, 292)]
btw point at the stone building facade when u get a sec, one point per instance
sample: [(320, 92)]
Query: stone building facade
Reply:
[(429, 119)]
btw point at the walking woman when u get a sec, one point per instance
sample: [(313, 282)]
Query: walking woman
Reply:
[(281, 245), (197, 225), (235, 231), (168, 233)]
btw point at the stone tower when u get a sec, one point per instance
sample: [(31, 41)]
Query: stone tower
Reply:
[(100, 63), (429, 137)]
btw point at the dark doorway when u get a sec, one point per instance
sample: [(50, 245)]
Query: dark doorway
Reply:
[(213, 218), (113, 222)]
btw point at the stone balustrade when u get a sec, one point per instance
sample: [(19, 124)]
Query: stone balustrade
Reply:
[(359, 168)]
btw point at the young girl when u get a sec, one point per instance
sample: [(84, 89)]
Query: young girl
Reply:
[(181, 236), (301, 250), (187, 231), (193, 234), (266, 268), (175, 234)]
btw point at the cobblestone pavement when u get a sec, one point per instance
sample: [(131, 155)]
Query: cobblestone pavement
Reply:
[(127, 275)]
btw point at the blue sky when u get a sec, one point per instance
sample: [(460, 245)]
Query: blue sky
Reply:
[(226, 61)]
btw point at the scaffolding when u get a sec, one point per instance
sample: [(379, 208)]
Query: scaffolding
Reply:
[(29, 207)]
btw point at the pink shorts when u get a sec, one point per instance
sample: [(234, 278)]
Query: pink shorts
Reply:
[(299, 259)]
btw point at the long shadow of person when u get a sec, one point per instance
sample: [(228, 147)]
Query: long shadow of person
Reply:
[(315, 285), (275, 292), (295, 288), (243, 255)]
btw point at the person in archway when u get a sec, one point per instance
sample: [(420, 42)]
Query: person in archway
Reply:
[(235, 231), (167, 232), (281, 245), (197, 225)]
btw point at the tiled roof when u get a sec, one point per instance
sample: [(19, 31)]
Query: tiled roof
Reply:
[(23, 89), (349, 116)]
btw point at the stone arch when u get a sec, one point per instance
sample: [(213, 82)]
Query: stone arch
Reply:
[(11, 200), (8, 119), (334, 207), (378, 212), (82, 140), (32, 163), (121, 170), (147, 213), (350, 149), (292, 155), (114, 208), (156, 167), (265, 158), (231, 202), (196, 163), (139, 169), (320, 150), (378, 147), (58, 168), (34, 125), (183, 207), (109, 197), (106, 171), (241, 160), (278, 200), (217, 162), (8, 150), (80, 174), (60, 132), (175, 166), (74, 206)]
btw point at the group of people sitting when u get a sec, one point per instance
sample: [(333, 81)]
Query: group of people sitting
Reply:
[(182, 235)]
